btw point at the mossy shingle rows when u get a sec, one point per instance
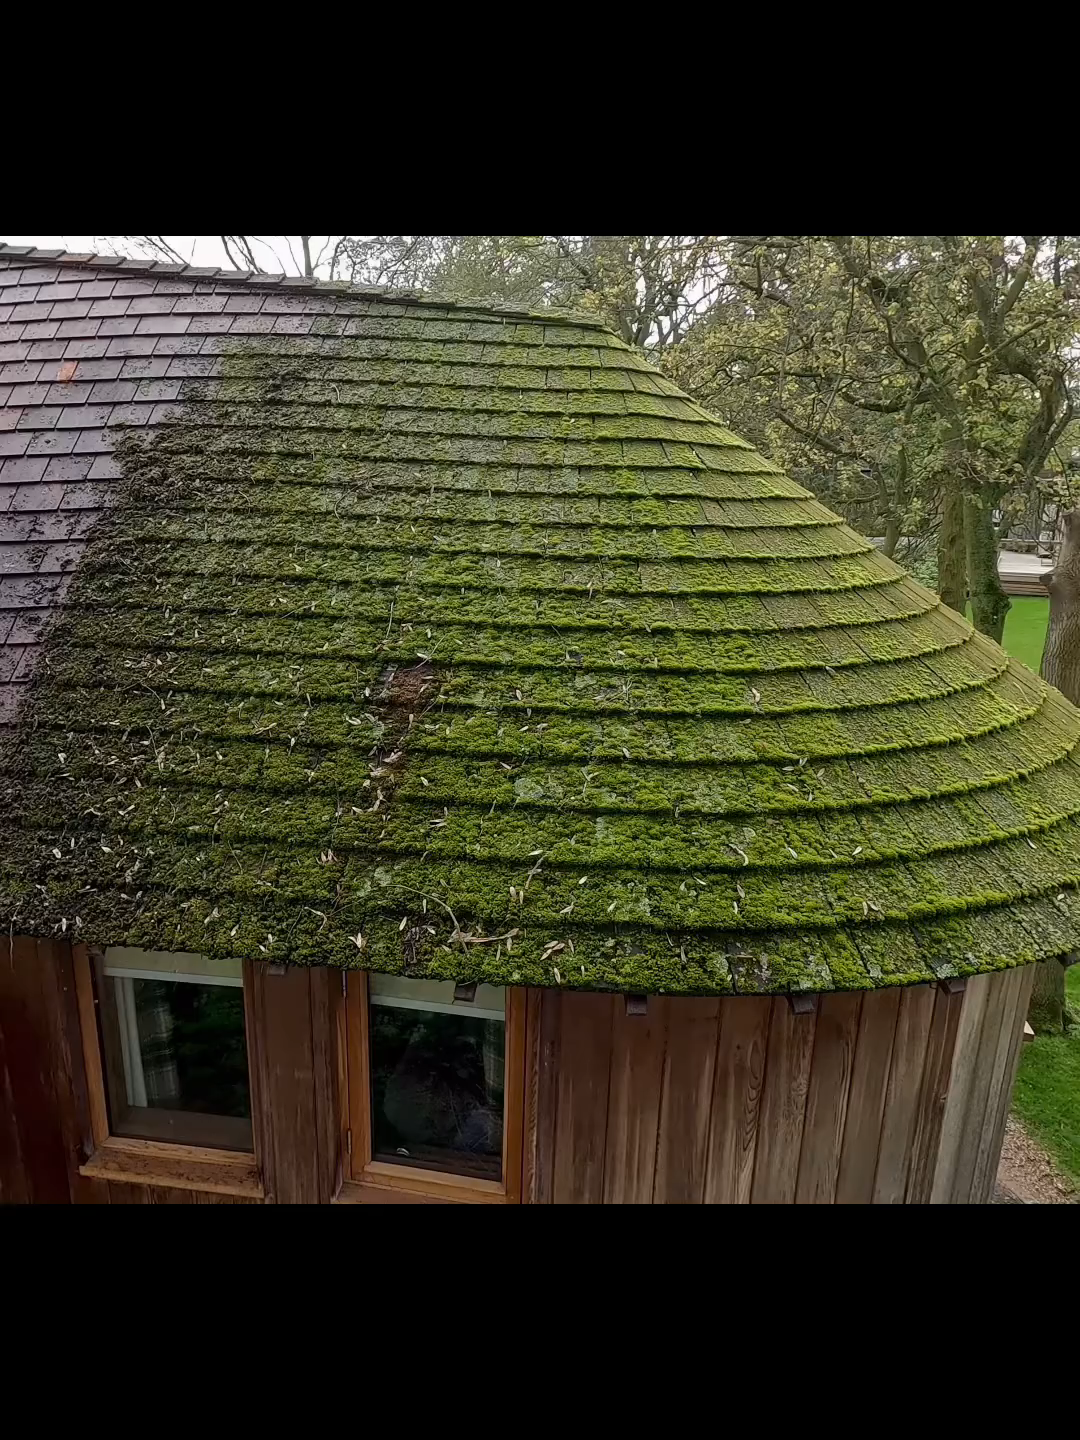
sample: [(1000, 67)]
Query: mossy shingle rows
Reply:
[(463, 644)]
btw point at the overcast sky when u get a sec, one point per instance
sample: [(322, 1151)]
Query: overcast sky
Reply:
[(273, 252)]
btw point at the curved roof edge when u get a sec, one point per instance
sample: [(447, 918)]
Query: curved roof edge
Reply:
[(294, 284)]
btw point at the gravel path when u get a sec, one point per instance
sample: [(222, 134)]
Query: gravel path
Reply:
[(1027, 1175)]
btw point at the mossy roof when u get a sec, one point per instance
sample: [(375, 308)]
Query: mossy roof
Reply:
[(446, 641)]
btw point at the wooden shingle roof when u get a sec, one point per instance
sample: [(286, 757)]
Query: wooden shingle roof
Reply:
[(459, 641)]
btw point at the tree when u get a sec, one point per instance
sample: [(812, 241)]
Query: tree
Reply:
[(931, 373), (652, 289), (258, 253), (921, 384), (1061, 668)]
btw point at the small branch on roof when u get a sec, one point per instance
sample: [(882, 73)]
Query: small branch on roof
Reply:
[(228, 251)]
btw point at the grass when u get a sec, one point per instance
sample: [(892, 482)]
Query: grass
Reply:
[(1025, 630), (1047, 1095)]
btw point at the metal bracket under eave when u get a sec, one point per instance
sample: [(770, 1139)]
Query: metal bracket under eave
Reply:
[(802, 1002), (955, 986), (637, 1004), (274, 968), (465, 992)]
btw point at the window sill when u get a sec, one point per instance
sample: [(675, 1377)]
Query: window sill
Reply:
[(382, 1184), (179, 1167)]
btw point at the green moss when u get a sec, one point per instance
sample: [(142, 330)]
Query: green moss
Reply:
[(442, 611)]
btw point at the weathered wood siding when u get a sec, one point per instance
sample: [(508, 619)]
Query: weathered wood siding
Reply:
[(887, 1097), (981, 1080), (45, 1130), (44, 1120)]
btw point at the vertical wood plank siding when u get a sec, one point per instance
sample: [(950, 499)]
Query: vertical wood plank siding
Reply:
[(981, 1080), (45, 1132), (736, 1101), (294, 1075), (888, 1097)]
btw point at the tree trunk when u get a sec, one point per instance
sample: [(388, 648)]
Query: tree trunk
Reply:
[(1061, 653), (989, 603), (952, 561), (1060, 667), (892, 536), (1047, 1014)]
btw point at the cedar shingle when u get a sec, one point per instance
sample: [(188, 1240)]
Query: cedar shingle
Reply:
[(85, 349), (37, 497), (77, 329), (138, 368), (96, 290), (118, 325), (105, 467), (130, 345), (643, 640), (70, 310), (26, 313), (155, 304), (163, 324), (94, 442), (80, 416), (113, 392), (157, 390), (29, 394), (68, 393), (48, 349), (21, 471), (52, 442), (108, 309), (98, 369), (69, 468), (20, 370), (40, 417)]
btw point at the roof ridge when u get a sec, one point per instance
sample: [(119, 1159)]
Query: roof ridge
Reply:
[(296, 284)]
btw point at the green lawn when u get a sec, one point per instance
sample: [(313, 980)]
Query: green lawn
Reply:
[(1047, 1095), (1025, 629)]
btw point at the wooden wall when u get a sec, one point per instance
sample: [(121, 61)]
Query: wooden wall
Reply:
[(44, 1115), (984, 1068), (887, 1097), (884, 1097)]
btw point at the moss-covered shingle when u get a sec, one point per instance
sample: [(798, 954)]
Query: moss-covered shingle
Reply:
[(459, 643)]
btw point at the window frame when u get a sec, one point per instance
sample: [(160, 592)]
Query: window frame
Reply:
[(371, 1181), (132, 1161)]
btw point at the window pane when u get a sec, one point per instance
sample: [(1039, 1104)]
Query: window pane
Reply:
[(437, 1080), (176, 1058)]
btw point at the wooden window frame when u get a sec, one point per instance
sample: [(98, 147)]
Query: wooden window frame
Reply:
[(159, 1162), (370, 1181)]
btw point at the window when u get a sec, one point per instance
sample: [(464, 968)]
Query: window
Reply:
[(165, 1046), (437, 1075), (172, 1031), (435, 1081)]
